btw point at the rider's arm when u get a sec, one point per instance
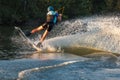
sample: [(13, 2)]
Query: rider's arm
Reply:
[(59, 17)]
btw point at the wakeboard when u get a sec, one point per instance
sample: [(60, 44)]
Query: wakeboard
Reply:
[(27, 39)]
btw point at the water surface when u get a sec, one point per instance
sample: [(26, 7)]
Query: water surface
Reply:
[(19, 61)]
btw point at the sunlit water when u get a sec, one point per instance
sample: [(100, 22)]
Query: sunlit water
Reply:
[(80, 49)]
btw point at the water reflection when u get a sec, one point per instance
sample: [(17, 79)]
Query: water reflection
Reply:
[(51, 56), (6, 45), (11, 45)]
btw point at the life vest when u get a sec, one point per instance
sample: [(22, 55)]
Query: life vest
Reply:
[(52, 16)]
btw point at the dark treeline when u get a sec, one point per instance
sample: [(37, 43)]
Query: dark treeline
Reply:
[(21, 11)]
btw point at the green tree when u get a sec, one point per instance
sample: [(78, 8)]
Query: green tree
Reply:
[(18, 11)]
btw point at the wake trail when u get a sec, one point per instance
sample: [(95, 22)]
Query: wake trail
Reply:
[(25, 73)]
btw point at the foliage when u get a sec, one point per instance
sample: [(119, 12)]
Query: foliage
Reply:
[(19, 11)]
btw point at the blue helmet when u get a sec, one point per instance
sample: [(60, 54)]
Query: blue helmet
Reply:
[(50, 8)]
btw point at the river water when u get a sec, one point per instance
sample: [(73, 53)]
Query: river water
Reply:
[(82, 50)]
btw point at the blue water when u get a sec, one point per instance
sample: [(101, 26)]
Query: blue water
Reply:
[(87, 50)]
